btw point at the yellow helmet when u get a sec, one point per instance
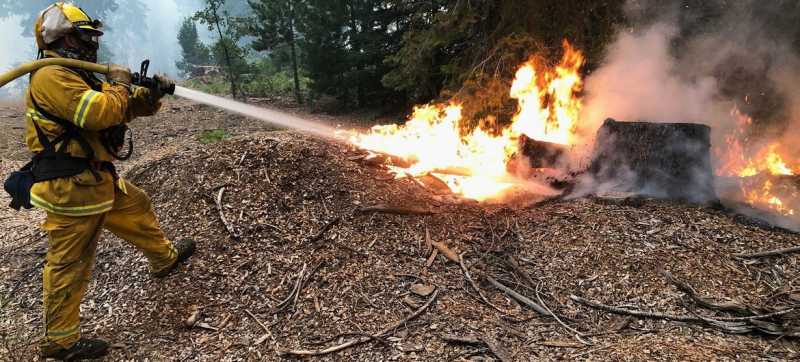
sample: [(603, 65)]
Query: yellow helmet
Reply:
[(61, 19)]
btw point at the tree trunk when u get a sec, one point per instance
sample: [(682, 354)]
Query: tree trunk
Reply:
[(295, 69), (231, 76), (668, 160), (360, 97)]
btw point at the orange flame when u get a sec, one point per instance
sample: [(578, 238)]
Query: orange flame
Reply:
[(766, 161), (474, 164), (549, 113)]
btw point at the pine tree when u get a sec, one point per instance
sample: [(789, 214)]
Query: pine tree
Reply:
[(274, 25), (226, 50), (193, 50)]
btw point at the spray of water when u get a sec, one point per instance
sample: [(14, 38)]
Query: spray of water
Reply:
[(277, 118)]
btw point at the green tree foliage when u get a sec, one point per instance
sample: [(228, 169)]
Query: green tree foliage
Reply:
[(274, 25), (471, 49), (193, 50), (226, 50), (346, 42)]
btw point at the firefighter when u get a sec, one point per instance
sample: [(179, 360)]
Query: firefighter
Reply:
[(75, 127)]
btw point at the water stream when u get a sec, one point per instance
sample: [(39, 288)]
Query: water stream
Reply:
[(277, 118)]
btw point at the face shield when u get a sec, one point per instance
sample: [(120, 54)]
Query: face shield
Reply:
[(90, 39)]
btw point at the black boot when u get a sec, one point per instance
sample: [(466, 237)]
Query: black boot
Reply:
[(185, 249), (83, 349)]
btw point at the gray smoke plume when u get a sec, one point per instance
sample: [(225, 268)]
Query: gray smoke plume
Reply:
[(697, 61)]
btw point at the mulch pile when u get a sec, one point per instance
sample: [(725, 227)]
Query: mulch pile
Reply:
[(318, 249)]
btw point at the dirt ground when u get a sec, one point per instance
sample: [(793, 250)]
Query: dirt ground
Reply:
[(304, 264)]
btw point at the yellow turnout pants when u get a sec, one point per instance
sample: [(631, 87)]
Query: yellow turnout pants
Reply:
[(71, 254)]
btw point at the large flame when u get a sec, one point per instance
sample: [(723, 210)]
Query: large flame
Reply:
[(768, 160), (475, 164)]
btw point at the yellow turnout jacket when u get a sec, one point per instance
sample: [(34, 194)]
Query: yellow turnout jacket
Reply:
[(63, 93)]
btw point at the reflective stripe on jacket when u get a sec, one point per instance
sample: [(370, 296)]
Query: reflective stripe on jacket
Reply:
[(62, 92)]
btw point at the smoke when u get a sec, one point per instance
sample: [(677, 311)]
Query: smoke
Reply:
[(697, 61), (641, 81), (695, 64)]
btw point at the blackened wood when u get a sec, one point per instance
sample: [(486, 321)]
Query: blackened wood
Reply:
[(666, 160), (541, 154)]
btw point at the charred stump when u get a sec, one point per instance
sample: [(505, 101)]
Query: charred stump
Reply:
[(665, 160)]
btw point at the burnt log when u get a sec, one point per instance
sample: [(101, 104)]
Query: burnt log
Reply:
[(663, 160), (541, 154)]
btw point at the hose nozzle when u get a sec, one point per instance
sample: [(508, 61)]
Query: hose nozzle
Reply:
[(141, 79)]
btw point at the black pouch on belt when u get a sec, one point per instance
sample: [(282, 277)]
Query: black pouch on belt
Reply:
[(18, 185)]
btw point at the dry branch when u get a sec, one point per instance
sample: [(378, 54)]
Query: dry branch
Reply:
[(325, 229), (635, 313), (395, 210), (732, 325), (702, 301), (517, 269), (292, 297), (228, 226), (518, 297), (475, 286), (578, 335), (362, 340), (267, 333), (777, 252)]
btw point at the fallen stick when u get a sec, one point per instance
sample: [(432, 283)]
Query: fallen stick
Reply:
[(635, 313), (518, 297), (362, 340), (396, 210), (228, 226), (702, 301), (267, 334), (776, 252), (325, 229), (517, 269), (295, 290), (475, 286), (672, 317), (578, 335)]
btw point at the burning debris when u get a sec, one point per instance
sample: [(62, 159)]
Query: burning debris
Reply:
[(474, 163), (541, 150)]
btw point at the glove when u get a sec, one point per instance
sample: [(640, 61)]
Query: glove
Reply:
[(142, 103), (165, 86), (118, 74)]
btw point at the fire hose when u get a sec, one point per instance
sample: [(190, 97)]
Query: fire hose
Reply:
[(274, 117), (115, 136), (140, 78)]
